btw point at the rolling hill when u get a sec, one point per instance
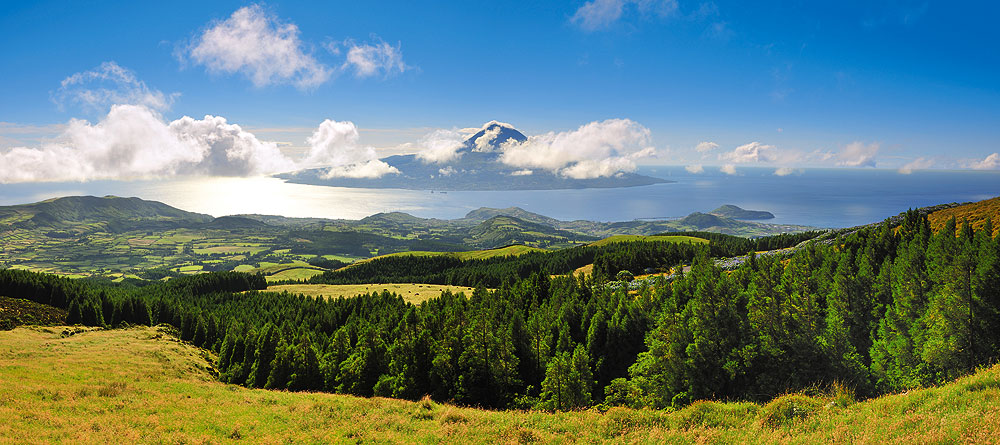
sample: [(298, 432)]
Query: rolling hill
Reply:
[(90, 213), (511, 250), (120, 238)]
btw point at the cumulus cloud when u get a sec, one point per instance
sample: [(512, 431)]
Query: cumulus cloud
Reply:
[(134, 141), (371, 59), (335, 145), (447, 171), (728, 169), (857, 154), (750, 153), (706, 146), (991, 162), (916, 164), (600, 14), (594, 150), (696, 168), (524, 172), (109, 84), (440, 146), (257, 44), (227, 149)]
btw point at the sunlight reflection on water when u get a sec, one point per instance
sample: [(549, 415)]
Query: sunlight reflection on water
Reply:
[(828, 198)]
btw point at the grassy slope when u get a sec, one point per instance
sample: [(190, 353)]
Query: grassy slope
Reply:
[(664, 238), (468, 255), (977, 213), (411, 292), (142, 385)]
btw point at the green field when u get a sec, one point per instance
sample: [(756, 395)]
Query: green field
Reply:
[(411, 292), (295, 273), (661, 238), (143, 385), (470, 255)]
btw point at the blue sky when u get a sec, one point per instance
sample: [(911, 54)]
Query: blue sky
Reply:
[(902, 85)]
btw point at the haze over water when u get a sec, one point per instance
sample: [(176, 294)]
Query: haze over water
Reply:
[(815, 197)]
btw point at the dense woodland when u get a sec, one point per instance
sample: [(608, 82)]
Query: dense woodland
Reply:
[(882, 309)]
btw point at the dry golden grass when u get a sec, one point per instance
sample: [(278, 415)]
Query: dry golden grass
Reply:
[(976, 213), (142, 385), (411, 292), (586, 270)]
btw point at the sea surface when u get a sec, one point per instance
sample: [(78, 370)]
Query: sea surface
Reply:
[(813, 197)]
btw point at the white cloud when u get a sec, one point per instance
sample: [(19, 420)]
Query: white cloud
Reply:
[(991, 162), (370, 59), (916, 164), (483, 142), (440, 146), (366, 170), (599, 14), (228, 149), (593, 150), (524, 172), (447, 171), (857, 154), (134, 141), (109, 84), (750, 153), (696, 168), (335, 145), (785, 171), (703, 147), (257, 44), (596, 168), (728, 169)]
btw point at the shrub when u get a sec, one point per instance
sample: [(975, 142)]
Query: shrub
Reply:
[(786, 410)]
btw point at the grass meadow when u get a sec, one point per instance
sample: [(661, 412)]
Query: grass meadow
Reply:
[(411, 292), (144, 385)]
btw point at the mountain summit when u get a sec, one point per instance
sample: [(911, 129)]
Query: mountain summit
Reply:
[(491, 137), (477, 166)]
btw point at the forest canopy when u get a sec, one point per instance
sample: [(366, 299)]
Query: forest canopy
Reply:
[(881, 309)]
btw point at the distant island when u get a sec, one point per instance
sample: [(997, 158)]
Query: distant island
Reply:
[(477, 167), (734, 212)]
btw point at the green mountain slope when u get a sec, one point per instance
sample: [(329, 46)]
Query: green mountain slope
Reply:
[(111, 213)]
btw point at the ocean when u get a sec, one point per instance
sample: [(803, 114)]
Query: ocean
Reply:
[(813, 197)]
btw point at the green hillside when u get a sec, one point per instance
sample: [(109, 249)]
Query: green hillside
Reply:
[(513, 250), (90, 213), (652, 238), (142, 385), (504, 230)]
